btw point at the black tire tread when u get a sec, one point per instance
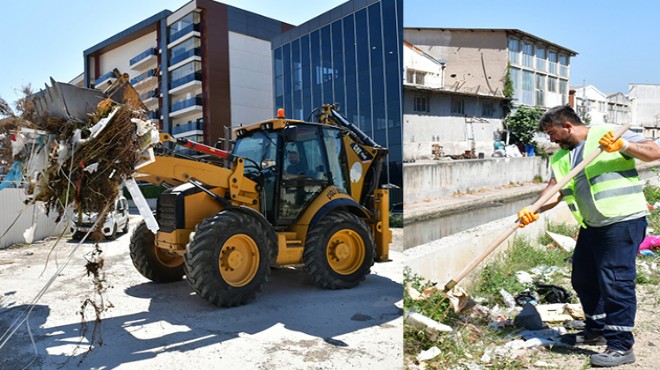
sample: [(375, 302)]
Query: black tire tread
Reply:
[(144, 258), (201, 259), (315, 259)]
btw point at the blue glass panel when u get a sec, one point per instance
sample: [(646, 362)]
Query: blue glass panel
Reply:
[(279, 78), (306, 76), (326, 65), (297, 79), (286, 57), (350, 65), (364, 72), (338, 64), (315, 44)]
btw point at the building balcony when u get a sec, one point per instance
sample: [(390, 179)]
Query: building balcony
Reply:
[(145, 59), (186, 107), (105, 80), (149, 97), (147, 76), (186, 84), (183, 34), (185, 57), (189, 128), (154, 114)]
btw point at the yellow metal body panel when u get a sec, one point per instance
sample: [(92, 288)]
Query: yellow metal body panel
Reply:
[(381, 228), (289, 249), (357, 168), (175, 241)]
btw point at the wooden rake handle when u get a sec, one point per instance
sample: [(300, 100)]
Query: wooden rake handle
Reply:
[(533, 208)]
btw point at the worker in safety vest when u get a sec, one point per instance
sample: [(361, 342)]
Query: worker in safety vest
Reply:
[(606, 198)]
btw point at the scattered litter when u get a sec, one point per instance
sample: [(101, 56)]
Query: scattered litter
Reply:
[(527, 296), (509, 302), (549, 293), (460, 299), (428, 354), (565, 242), (28, 235), (551, 334), (524, 277), (92, 168), (647, 253), (529, 318), (559, 312), (649, 243), (413, 293), (430, 326)]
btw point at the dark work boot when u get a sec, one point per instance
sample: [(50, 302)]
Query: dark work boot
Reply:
[(613, 357)]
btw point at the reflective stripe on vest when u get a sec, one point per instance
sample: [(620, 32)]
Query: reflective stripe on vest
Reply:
[(613, 179)]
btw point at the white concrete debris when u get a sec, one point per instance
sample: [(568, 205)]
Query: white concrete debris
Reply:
[(428, 354)]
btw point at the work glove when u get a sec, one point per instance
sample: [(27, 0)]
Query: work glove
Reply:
[(526, 217), (610, 145)]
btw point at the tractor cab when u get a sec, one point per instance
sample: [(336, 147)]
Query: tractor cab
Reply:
[(293, 165)]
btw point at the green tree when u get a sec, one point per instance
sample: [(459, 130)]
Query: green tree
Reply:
[(524, 123)]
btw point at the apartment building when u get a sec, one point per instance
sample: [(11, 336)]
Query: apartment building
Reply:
[(459, 104), (201, 70), (596, 107)]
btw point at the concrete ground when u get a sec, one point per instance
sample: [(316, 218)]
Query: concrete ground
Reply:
[(290, 325)]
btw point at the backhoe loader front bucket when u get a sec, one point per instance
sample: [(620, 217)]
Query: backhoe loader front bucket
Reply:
[(73, 103), (62, 100)]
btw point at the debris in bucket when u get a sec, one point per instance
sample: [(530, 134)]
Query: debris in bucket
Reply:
[(76, 155)]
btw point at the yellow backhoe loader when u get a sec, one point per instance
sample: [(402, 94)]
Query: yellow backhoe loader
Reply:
[(224, 227)]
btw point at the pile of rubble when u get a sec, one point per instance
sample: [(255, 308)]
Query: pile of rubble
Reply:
[(75, 147)]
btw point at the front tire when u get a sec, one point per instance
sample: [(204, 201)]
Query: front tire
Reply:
[(228, 258), (339, 251), (156, 264)]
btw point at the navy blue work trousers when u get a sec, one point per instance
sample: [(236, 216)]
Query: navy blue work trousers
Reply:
[(603, 277)]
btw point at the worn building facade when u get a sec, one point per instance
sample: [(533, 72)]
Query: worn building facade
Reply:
[(645, 108), (467, 103)]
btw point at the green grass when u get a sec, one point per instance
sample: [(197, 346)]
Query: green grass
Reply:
[(500, 273)]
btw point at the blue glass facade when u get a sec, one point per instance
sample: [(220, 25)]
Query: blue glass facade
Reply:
[(354, 60)]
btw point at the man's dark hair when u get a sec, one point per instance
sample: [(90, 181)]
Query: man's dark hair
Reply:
[(556, 116)]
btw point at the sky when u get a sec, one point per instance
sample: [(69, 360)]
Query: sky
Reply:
[(40, 39), (616, 41)]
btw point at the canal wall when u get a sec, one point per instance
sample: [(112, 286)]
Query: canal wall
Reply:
[(443, 259), (427, 180)]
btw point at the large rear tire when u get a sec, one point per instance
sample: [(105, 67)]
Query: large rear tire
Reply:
[(156, 264), (339, 251), (228, 258)]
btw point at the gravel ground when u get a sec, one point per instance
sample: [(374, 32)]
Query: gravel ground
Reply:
[(291, 325)]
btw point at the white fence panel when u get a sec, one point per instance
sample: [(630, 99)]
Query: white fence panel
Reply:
[(12, 206)]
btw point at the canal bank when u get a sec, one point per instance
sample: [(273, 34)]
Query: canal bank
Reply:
[(441, 258)]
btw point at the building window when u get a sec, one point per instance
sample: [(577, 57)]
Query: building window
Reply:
[(514, 51), (457, 105), (415, 77), (563, 90), (541, 62), (563, 65), (422, 104), (183, 26), (488, 109), (528, 55), (552, 84), (552, 62), (515, 81), (540, 90), (528, 87)]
